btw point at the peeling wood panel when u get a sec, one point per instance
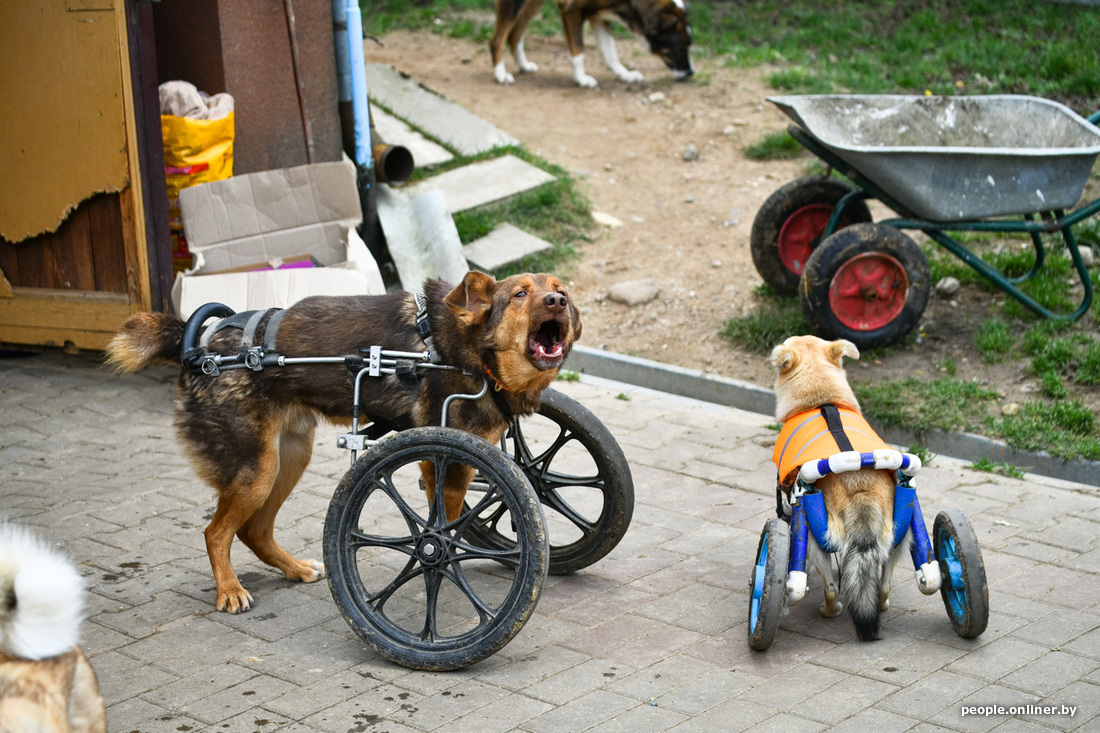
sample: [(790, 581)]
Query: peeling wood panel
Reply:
[(87, 252), (61, 99)]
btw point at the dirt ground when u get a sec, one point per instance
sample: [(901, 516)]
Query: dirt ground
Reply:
[(685, 223)]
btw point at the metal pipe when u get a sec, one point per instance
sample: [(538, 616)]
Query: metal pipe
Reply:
[(392, 163)]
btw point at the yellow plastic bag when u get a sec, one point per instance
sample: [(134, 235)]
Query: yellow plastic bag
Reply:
[(195, 151)]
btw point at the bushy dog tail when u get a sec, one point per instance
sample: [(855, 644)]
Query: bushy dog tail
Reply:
[(41, 597), (146, 339), (864, 556)]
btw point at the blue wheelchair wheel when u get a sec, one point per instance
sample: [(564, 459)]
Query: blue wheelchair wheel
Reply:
[(964, 588), (768, 584)]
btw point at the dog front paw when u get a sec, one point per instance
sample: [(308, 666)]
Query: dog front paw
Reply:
[(502, 76), (631, 77), (308, 571), (528, 67), (234, 600), (586, 81)]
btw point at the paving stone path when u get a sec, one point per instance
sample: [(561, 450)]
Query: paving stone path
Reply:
[(651, 638)]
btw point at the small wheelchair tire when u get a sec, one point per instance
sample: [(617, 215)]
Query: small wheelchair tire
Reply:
[(963, 587), (868, 283), (412, 584), (789, 225), (580, 475), (768, 583)]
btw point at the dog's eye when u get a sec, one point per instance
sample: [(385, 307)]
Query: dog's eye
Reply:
[(520, 294)]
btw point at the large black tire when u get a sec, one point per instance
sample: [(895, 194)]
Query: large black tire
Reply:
[(768, 583), (799, 211), (964, 588), (411, 584), (868, 283), (580, 475)]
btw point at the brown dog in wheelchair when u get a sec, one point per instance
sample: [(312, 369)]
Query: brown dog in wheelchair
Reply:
[(249, 434)]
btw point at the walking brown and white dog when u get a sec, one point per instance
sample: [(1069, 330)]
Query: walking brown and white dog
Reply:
[(46, 683), (249, 434), (859, 504), (664, 23)]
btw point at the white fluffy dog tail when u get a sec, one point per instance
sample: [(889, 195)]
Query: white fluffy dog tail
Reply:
[(41, 597)]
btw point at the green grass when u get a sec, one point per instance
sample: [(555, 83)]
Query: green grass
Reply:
[(1004, 469), (776, 146), (994, 340), (943, 404), (760, 330)]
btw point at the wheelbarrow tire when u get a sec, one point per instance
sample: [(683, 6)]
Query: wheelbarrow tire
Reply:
[(789, 225), (868, 283), (600, 529), (768, 583), (963, 586), (461, 622)]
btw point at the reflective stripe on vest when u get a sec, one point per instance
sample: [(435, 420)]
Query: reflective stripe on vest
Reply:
[(806, 437)]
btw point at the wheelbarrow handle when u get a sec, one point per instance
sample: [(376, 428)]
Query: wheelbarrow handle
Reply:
[(1094, 118)]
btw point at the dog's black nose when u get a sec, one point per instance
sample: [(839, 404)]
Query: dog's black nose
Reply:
[(555, 302)]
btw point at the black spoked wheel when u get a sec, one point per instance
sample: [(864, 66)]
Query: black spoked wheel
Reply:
[(868, 283), (580, 475), (964, 588), (768, 584), (790, 224), (413, 585)]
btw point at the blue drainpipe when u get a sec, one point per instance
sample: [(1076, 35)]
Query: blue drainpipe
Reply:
[(351, 73)]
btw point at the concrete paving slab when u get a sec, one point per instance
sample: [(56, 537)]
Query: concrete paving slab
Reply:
[(393, 131), (650, 638), (503, 246), (441, 118), (482, 183)]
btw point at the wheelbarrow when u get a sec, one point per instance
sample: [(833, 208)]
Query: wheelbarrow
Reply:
[(997, 163)]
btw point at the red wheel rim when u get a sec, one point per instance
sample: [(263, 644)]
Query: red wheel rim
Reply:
[(869, 291), (801, 232)]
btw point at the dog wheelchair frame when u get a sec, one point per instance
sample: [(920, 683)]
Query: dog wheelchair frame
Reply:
[(423, 591), (951, 562)]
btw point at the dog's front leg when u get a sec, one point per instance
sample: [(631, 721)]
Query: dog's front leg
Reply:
[(606, 43), (455, 483)]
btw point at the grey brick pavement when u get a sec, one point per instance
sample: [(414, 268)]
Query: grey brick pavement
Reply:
[(651, 638)]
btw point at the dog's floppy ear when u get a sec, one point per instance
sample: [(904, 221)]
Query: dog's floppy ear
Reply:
[(473, 297), (783, 358), (840, 348)]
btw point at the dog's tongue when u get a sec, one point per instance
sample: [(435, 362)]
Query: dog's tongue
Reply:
[(541, 352)]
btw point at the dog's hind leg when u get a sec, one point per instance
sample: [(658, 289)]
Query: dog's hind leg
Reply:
[(527, 11), (888, 573), (507, 11), (237, 503), (295, 447), (820, 562)]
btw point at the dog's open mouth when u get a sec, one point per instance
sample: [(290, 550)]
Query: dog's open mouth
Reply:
[(546, 346)]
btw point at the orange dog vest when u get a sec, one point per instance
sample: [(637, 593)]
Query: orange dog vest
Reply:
[(808, 436)]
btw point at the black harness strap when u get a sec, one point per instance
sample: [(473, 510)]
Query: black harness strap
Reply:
[(836, 428), (272, 329)]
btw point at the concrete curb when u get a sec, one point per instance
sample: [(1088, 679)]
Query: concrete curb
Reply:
[(742, 395)]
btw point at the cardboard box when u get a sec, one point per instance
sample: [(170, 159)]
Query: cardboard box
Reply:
[(270, 216)]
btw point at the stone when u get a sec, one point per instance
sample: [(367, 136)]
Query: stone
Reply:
[(633, 292), (947, 287), (691, 153), (606, 219)]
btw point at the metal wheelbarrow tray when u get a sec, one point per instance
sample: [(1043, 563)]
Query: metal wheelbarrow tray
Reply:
[(956, 158)]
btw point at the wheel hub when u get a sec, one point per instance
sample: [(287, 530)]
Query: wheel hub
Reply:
[(869, 291), (431, 549), (801, 233)]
